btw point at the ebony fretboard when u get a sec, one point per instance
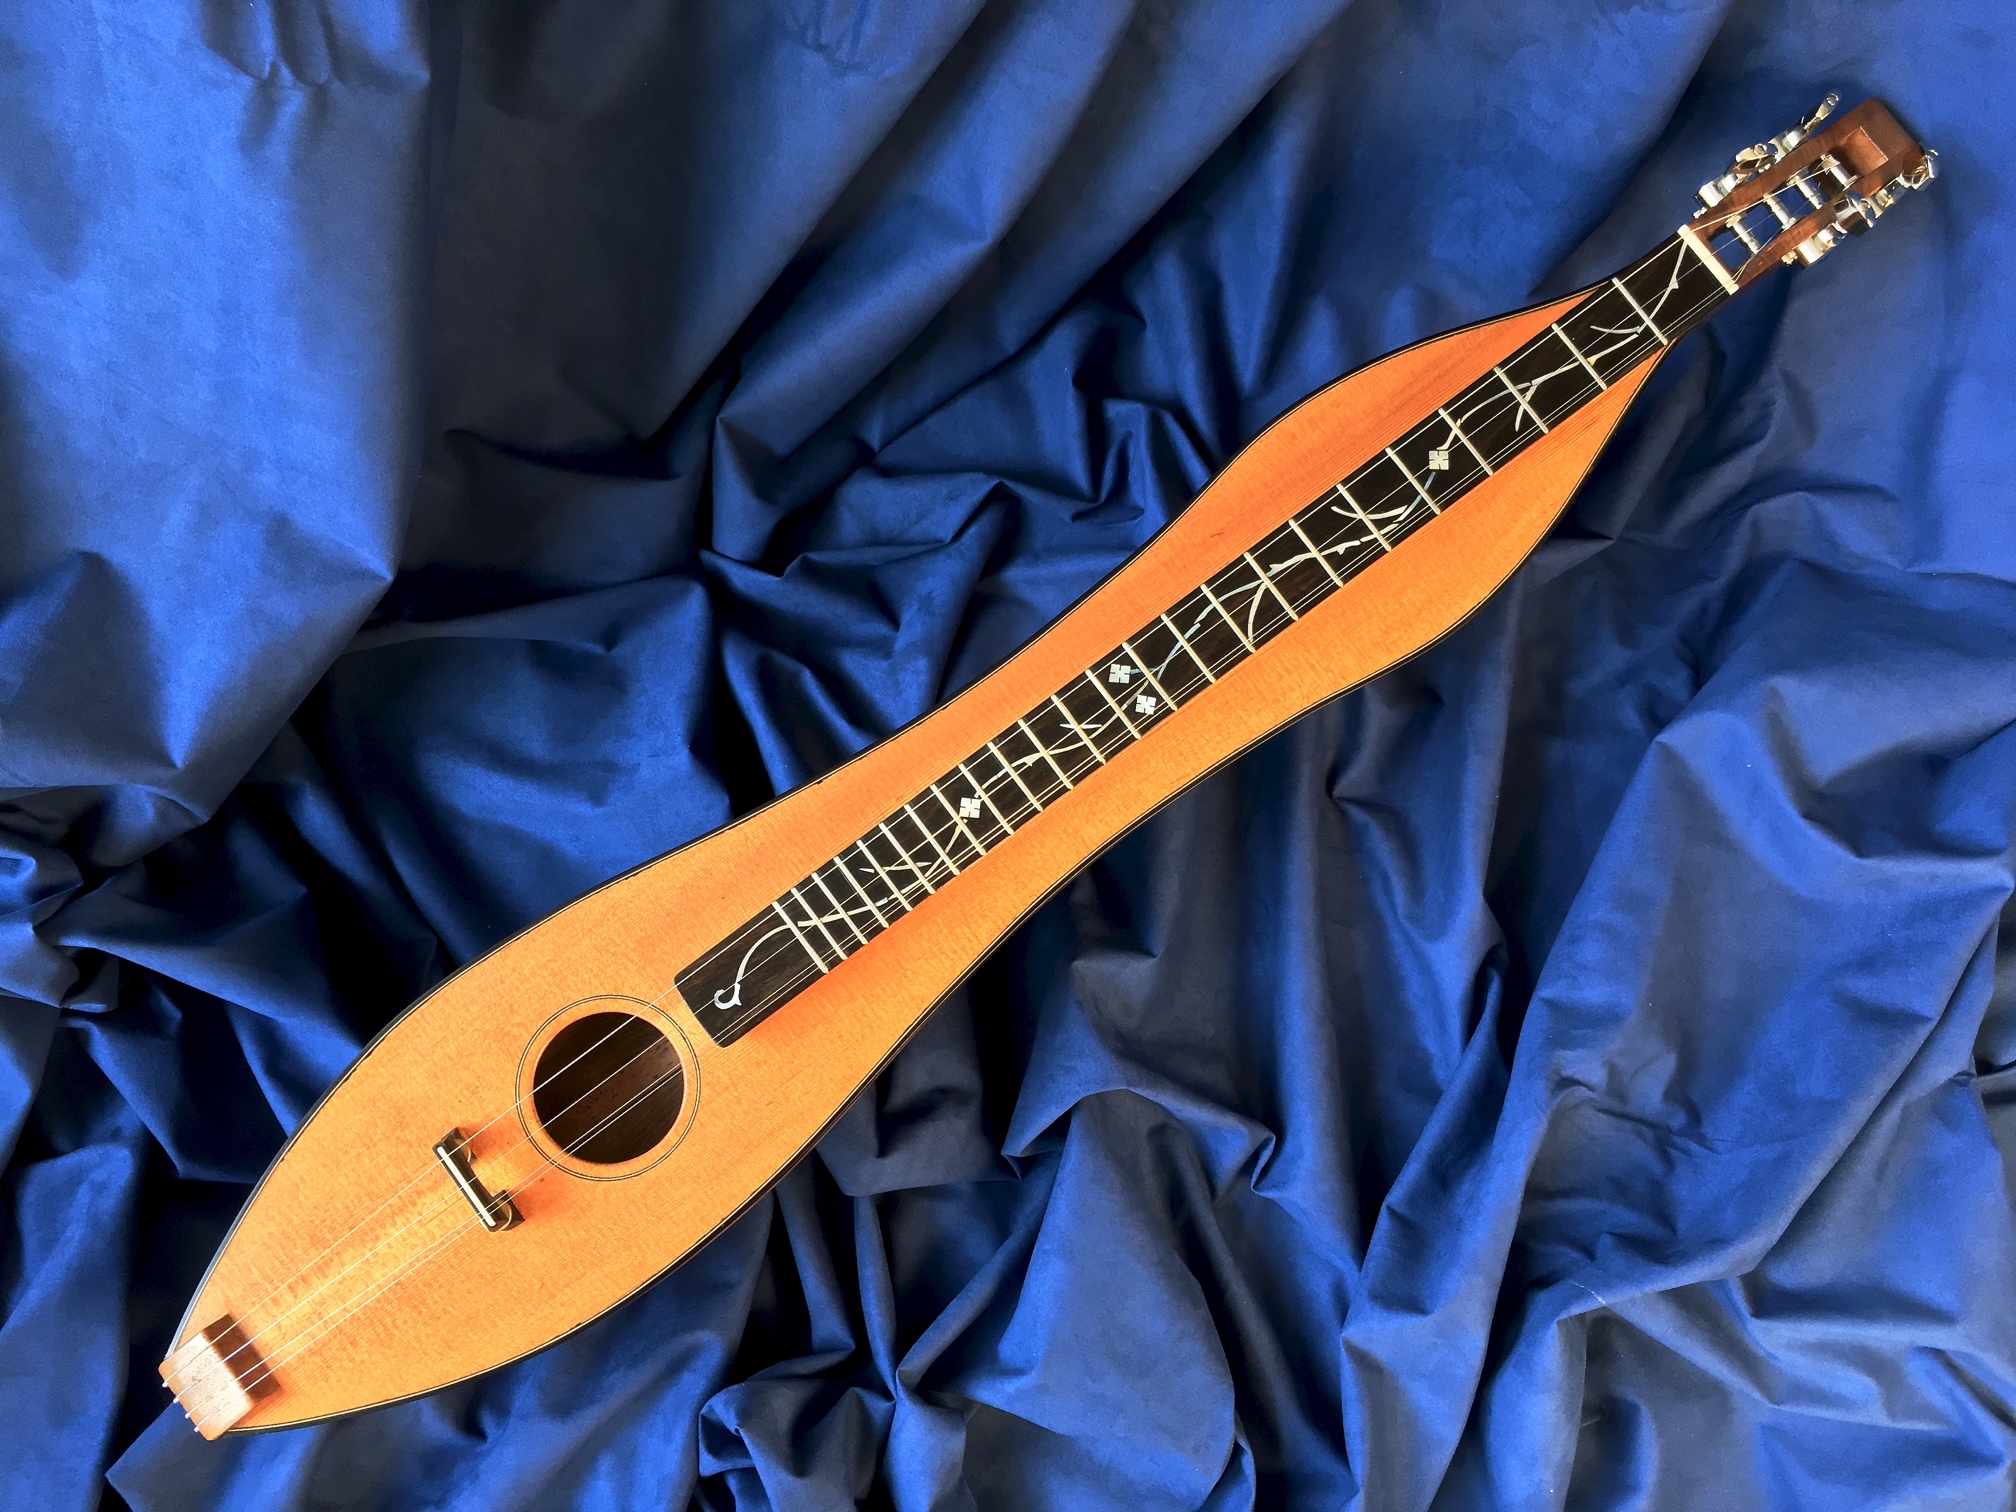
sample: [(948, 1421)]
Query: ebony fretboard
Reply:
[(1092, 720)]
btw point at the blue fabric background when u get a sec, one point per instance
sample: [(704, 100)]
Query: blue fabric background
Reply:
[(449, 458)]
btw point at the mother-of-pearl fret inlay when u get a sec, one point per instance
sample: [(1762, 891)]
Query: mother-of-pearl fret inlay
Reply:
[(1576, 352), (1184, 643), (1084, 740), (952, 823), (861, 892), (1364, 518), (1122, 713), (1314, 555), (1244, 639), (1412, 481), (1639, 310), (1134, 662)]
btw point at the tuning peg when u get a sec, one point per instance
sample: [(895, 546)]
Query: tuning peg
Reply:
[(1764, 154), (1857, 213), (1780, 145)]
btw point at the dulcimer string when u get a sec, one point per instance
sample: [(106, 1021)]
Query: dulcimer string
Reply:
[(393, 1278), (399, 1191), (327, 1327), (425, 1171)]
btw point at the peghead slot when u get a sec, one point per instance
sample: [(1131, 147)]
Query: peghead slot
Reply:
[(217, 1377), (496, 1213)]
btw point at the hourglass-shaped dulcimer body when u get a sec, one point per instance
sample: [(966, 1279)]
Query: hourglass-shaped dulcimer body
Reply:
[(579, 1110)]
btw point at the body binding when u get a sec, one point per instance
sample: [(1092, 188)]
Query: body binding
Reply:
[(319, 1233)]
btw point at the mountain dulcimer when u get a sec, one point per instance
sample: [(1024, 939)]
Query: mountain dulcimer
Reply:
[(579, 1110)]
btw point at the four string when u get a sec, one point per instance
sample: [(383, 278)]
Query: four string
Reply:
[(324, 1328), (326, 1325), (422, 1174), (1714, 223)]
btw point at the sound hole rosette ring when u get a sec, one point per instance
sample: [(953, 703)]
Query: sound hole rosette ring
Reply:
[(529, 1090)]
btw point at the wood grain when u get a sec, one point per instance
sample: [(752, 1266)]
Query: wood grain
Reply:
[(361, 1292)]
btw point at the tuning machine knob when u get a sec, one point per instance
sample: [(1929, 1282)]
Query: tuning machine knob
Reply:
[(1751, 159), (1780, 145), (1857, 213)]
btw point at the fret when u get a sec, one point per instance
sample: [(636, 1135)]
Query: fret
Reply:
[(960, 838), (1245, 641), (1129, 656), (1237, 594), (859, 892), (931, 839), (1314, 555), (864, 846), (1551, 383), (1493, 423), (1643, 310), (1268, 583), (1207, 635), (1078, 730), (971, 814), (958, 817), (1672, 291), (846, 914), (1458, 432), (901, 861), (1035, 763), (1295, 570), (1342, 533), (1155, 655), (1639, 310), (1062, 740), (986, 791), (817, 959), (1183, 644), (1119, 712), (1606, 334), (1388, 498), (812, 917), (1093, 716), (1412, 480), (1140, 698), (1015, 777), (1436, 462), (1576, 352), (1513, 389), (973, 807), (909, 852), (1241, 591), (1045, 746), (864, 914), (1363, 518)]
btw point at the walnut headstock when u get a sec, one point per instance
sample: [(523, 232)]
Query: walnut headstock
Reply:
[(1793, 198)]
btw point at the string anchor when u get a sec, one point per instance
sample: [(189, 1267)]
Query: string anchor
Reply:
[(496, 1213), (217, 1377)]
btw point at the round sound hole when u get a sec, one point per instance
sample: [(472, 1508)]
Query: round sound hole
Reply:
[(607, 1088)]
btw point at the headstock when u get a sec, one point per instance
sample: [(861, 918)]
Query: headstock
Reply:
[(1794, 197)]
